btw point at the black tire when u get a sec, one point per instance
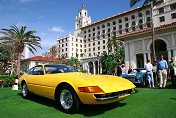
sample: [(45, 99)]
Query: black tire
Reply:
[(25, 92), (67, 99), (143, 83)]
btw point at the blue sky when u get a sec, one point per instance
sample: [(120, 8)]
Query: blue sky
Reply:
[(54, 18)]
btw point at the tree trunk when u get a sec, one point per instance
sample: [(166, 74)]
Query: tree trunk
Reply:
[(18, 64)]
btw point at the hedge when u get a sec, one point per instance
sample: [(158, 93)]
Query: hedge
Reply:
[(8, 80)]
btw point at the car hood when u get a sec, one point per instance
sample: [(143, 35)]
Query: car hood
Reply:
[(107, 83)]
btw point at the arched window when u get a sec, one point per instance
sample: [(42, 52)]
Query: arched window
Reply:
[(120, 20), (113, 22), (126, 18), (147, 12), (85, 14), (132, 17)]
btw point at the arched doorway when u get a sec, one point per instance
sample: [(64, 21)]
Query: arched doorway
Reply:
[(160, 48), (91, 67), (96, 67)]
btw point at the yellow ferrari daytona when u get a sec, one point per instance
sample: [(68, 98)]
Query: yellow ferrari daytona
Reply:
[(70, 88)]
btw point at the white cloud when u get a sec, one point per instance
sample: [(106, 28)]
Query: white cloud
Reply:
[(58, 29)]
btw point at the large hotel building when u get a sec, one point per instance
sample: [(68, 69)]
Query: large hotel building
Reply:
[(132, 27)]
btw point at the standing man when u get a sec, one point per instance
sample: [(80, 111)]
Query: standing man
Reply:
[(172, 66), (162, 71), (149, 68)]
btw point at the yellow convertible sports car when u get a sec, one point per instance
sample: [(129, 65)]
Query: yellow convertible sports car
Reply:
[(70, 88)]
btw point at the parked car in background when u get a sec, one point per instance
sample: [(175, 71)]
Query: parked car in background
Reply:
[(70, 88), (137, 77)]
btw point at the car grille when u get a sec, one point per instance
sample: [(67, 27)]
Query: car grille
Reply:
[(130, 78), (110, 96)]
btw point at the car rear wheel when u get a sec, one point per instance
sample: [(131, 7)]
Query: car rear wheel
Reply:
[(67, 100), (25, 91)]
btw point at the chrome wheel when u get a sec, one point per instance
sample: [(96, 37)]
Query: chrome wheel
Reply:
[(66, 99), (24, 90)]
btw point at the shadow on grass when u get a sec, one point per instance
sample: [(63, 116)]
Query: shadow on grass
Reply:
[(86, 110)]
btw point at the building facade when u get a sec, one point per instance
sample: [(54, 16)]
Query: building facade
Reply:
[(133, 27)]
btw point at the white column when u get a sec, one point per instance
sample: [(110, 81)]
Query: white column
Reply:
[(169, 55), (145, 60), (101, 69), (98, 66), (149, 56), (174, 53), (69, 46), (132, 55), (126, 55)]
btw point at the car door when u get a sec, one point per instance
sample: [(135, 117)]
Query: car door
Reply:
[(35, 80)]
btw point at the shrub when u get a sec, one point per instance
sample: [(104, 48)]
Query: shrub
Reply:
[(8, 80)]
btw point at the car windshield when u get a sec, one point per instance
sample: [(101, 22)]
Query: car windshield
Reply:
[(52, 69)]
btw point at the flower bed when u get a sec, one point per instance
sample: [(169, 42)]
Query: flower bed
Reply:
[(8, 80)]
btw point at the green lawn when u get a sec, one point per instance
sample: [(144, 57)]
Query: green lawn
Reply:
[(148, 103)]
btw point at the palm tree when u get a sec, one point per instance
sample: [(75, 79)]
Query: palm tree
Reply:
[(20, 39), (146, 2), (112, 43)]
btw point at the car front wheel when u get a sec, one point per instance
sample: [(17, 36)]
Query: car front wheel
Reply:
[(68, 100), (25, 91)]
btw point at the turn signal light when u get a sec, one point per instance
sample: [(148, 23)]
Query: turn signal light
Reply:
[(91, 89)]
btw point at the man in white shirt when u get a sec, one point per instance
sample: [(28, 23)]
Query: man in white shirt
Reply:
[(149, 68)]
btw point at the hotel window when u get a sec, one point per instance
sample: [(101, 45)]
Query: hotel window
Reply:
[(126, 18), (76, 49), (84, 50), (173, 15), (89, 30), (103, 26), (84, 41), (103, 31), (98, 27), (72, 54), (114, 23), (72, 49), (108, 24), (109, 29), (66, 39), (62, 50), (120, 31), (98, 37), (148, 19), (161, 10), (66, 54), (89, 49), (93, 39), (120, 26), (84, 32), (141, 26), (81, 41), (114, 33), (98, 32), (162, 19), (59, 46), (126, 30), (89, 54), (93, 29), (66, 44), (133, 28), (93, 49), (88, 40), (140, 14), (103, 36), (85, 46), (62, 45), (99, 48), (80, 45), (93, 34), (84, 36), (89, 35), (173, 6), (147, 12), (109, 35), (104, 47), (114, 28), (133, 23), (132, 17), (103, 41), (93, 43), (98, 42), (126, 25), (66, 49), (76, 40), (140, 21), (76, 45), (80, 50), (89, 44), (72, 44), (120, 20), (148, 24)]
